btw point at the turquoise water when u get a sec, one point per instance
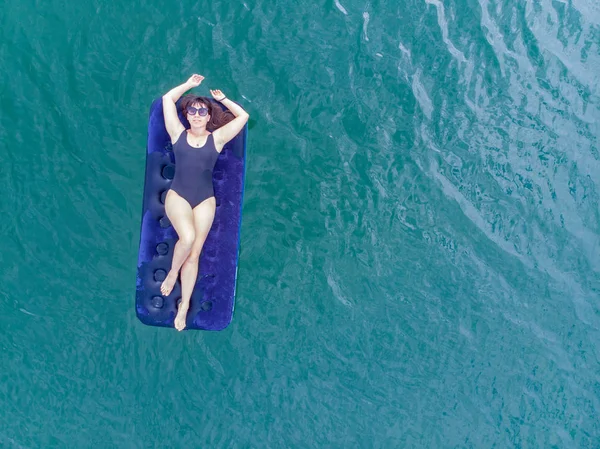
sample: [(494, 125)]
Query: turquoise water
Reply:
[(420, 246)]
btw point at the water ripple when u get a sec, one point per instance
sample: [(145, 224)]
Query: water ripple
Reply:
[(420, 238)]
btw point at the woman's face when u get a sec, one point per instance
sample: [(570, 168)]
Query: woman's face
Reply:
[(197, 114)]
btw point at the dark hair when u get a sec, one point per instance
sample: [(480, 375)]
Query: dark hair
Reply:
[(218, 116)]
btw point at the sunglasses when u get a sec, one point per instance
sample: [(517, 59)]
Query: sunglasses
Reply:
[(202, 112)]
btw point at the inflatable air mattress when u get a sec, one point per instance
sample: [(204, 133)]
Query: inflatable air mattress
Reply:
[(212, 302)]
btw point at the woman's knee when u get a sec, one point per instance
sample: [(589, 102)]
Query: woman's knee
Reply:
[(186, 239), (196, 250)]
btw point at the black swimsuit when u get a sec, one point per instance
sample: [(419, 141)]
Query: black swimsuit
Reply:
[(193, 169)]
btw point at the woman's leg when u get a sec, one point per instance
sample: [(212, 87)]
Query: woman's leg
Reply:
[(181, 216), (204, 214)]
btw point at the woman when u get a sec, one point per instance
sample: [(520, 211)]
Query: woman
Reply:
[(190, 202)]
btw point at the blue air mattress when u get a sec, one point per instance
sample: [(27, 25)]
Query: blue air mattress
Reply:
[(212, 302)]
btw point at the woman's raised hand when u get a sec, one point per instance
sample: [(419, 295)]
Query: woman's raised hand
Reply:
[(217, 94), (195, 80)]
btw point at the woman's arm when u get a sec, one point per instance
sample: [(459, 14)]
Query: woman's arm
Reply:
[(172, 123), (227, 132)]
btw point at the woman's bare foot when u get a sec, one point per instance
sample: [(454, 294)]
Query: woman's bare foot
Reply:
[(167, 286), (181, 316)]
